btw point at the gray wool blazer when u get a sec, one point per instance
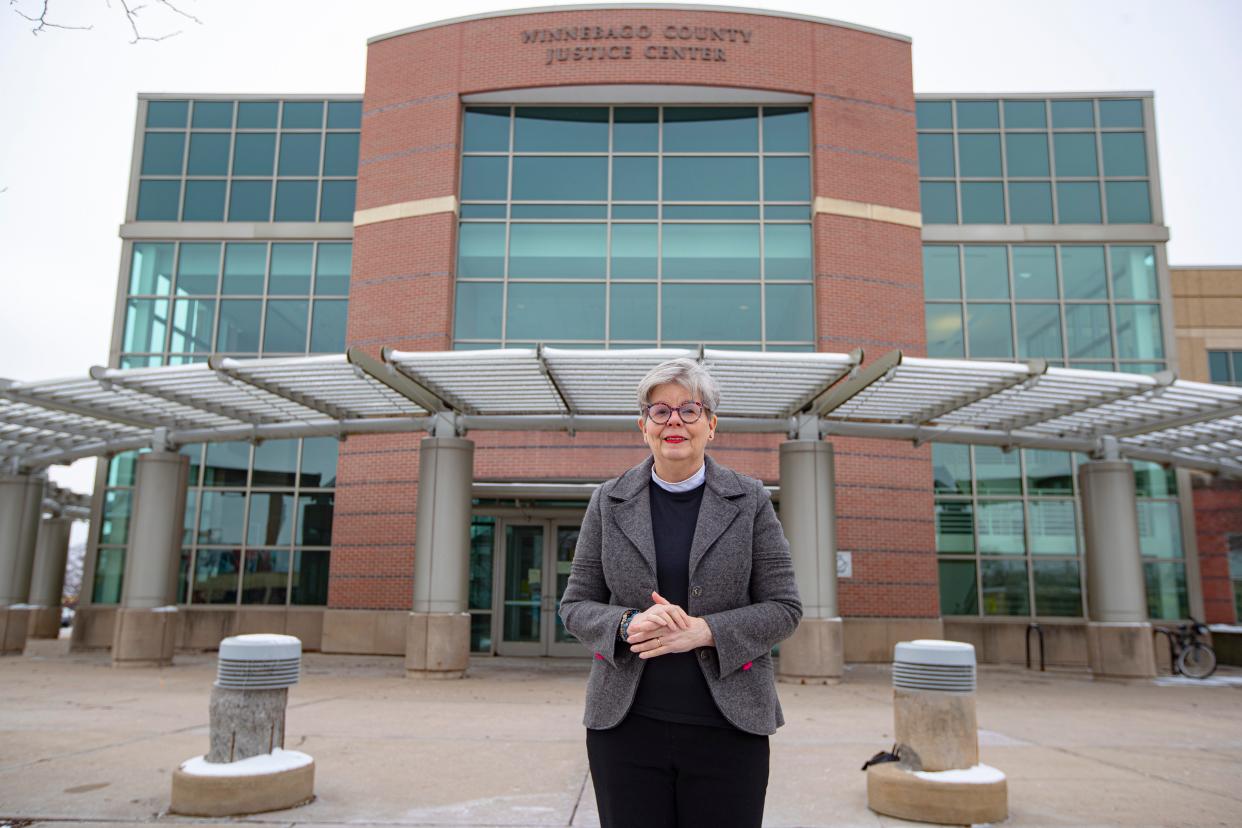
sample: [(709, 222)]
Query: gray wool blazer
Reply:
[(741, 584)]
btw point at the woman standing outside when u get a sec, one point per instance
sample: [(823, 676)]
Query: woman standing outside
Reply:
[(681, 585)]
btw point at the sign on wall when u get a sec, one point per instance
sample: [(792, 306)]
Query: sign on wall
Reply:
[(576, 44)]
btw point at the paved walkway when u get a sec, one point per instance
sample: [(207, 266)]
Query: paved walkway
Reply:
[(82, 742)]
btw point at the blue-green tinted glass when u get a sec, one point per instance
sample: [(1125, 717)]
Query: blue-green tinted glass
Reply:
[(257, 114), (711, 211), (275, 464), (933, 114), (209, 154), (1003, 583), (560, 211), (980, 154), (787, 251), (958, 593), (787, 179), (941, 276), (990, 330), (936, 155), (1039, 331), (162, 114), (1218, 366), (302, 115), (1072, 114), (344, 114), (291, 269), (481, 250), (212, 115), (1083, 272), (193, 322), (789, 312), (483, 211), (944, 331), (319, 455), (548, 178), (997, 471), (1078, 202), (1134, 272), (636, 129), (314, 523), (254, 153), (711, 129), (706, 313), (162, 153), (340, 153), (939, 201), (1048, 472), (711, 251), (635, 211), (284, 329), (635, 178), (634, 312), (250, 201), (299, 153), (1138, 332), (151, 268), (546, 251), (332, 269), (1160, 528), (295, 200), (146, 323), (955, 527), (635, 251), (1034, 272), (951, 468), (1075, 153), (987, 272), (265, 578), (477, 310), (158, 200), (221, 517), (216, 570), (1153, 480), (336, 203), (484, 179), (1125, 153), (1054, 528), (198, 268), (1030, 202), (560, 129), (559, 311), (711, 179), (983, 203), (977, 115), (1025, 115), (1128, 202), (1121, 113), (328, 326), (239, 326), (1088, 332), (244, 266), (1026, 154), (1166, 590), (310, 577), (786, 129)]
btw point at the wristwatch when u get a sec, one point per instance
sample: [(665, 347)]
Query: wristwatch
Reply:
[(623, 629)]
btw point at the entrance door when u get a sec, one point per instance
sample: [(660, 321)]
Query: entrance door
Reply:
[(533, 565)]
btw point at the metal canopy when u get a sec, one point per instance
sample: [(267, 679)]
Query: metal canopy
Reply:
[(1012, 405)]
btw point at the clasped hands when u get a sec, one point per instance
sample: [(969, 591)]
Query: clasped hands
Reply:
[(666, 628)]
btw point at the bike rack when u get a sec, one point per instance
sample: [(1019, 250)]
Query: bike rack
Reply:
[(1034, 626), (1168, 634)]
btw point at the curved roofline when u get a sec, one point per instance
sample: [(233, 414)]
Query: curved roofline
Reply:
[(645, 6)]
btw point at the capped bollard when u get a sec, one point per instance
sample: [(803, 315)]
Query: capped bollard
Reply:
[(247, 770), (938, 777)]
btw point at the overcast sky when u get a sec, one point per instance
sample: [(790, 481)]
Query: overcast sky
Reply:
[(69, 103)]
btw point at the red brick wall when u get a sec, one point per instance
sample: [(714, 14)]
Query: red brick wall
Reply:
[(868, 279), (1218, 513)]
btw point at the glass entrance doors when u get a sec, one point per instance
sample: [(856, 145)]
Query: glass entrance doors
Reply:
[(533, 568)]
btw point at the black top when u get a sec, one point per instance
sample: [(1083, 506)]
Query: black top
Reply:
[(672, 687)]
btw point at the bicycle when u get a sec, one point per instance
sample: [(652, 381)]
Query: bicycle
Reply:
[(1189, 654)]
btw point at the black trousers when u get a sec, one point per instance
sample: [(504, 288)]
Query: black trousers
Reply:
[(656, 774)]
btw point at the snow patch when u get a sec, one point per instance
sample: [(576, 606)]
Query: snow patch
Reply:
[(977, 775), (1186, 681), (169, 608), (275, 762), (1227, 628)]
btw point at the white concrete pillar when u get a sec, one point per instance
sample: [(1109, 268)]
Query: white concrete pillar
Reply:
[(1119, 635), (47, 584), (808, 515), (21, 504), (438, 635)]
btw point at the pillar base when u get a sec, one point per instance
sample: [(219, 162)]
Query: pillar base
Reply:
[(814, 654), (221, 796), (1120, 650), (939, 727), (896, 791), (14, 623), (437, 645), (46, 648), (144, 637), (44, 623)]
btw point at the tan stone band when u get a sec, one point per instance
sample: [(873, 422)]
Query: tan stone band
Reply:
[(406, 209), (863, 210)]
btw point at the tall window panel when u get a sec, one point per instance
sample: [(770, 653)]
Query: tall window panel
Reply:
[(1225, 367), (635, 226)]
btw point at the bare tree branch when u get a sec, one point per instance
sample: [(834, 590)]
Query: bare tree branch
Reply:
[(42, 20), (131, 9)]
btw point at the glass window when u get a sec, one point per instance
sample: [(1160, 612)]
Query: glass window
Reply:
[(955, 527), (486, 129), (987, 272), (193, 323), (146, 323), (941, 276), (158, 200), (1121, 113), (1057, 588), (332, 267), (789, 312), (167, 113), (299, 153), (787, 179), (239, 326), (1072, 114), (983, 203), (484, 178), (340, 153), (636, 129), (477, 310), (295, 200), (560, 129), (302, 115), (151, 268), (1034, 272), (1004, 587), (275, 463), (291, 269), (310, 577), (936, 155), (1048, 472), (1138, 332), (254, 153), (114, 528), (314, 526), (284, 329), (635, 178), (951, 467), (209, 154), (1026, 154), (319, 456), (997, 471), (786, 129), (1166, 590), (1030, 202), (221, 516), (939, 202), (344, 114), (933, 114), (213, 114), (266, 576), (555, 311), (1025, 115), (1218, 367), (990, 330), (1083, 272), (1125, 153), (227, 464), (787, 251), (549, 178), (1134, 272), (1088, 331), (977, 115), (981, 154), (690, 178), (1075, 153), (958, 595), (271, 519), (635, 251), (711, 129), (204, 200), (711, 251), (1054, 528), (1039, 331), (215, 576), (121, 469), (337, 201), (257, 114), (109, 572), (328, 326), (707, 313), (198, 268), (1128, 202), (250, 201), (1001, 527), (944, 331), (481, 250), (162, 153), (575, 251), (634, 312)]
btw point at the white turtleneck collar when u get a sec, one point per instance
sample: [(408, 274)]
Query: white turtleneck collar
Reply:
[(692, 482)]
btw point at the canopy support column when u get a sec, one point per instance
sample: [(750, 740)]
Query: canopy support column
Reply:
[(48, 582), (1119, 635), (21, 503), (438, 636), (146, 621), (814, 653)]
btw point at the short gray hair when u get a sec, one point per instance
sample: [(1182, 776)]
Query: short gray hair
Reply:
[(689, 374)]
